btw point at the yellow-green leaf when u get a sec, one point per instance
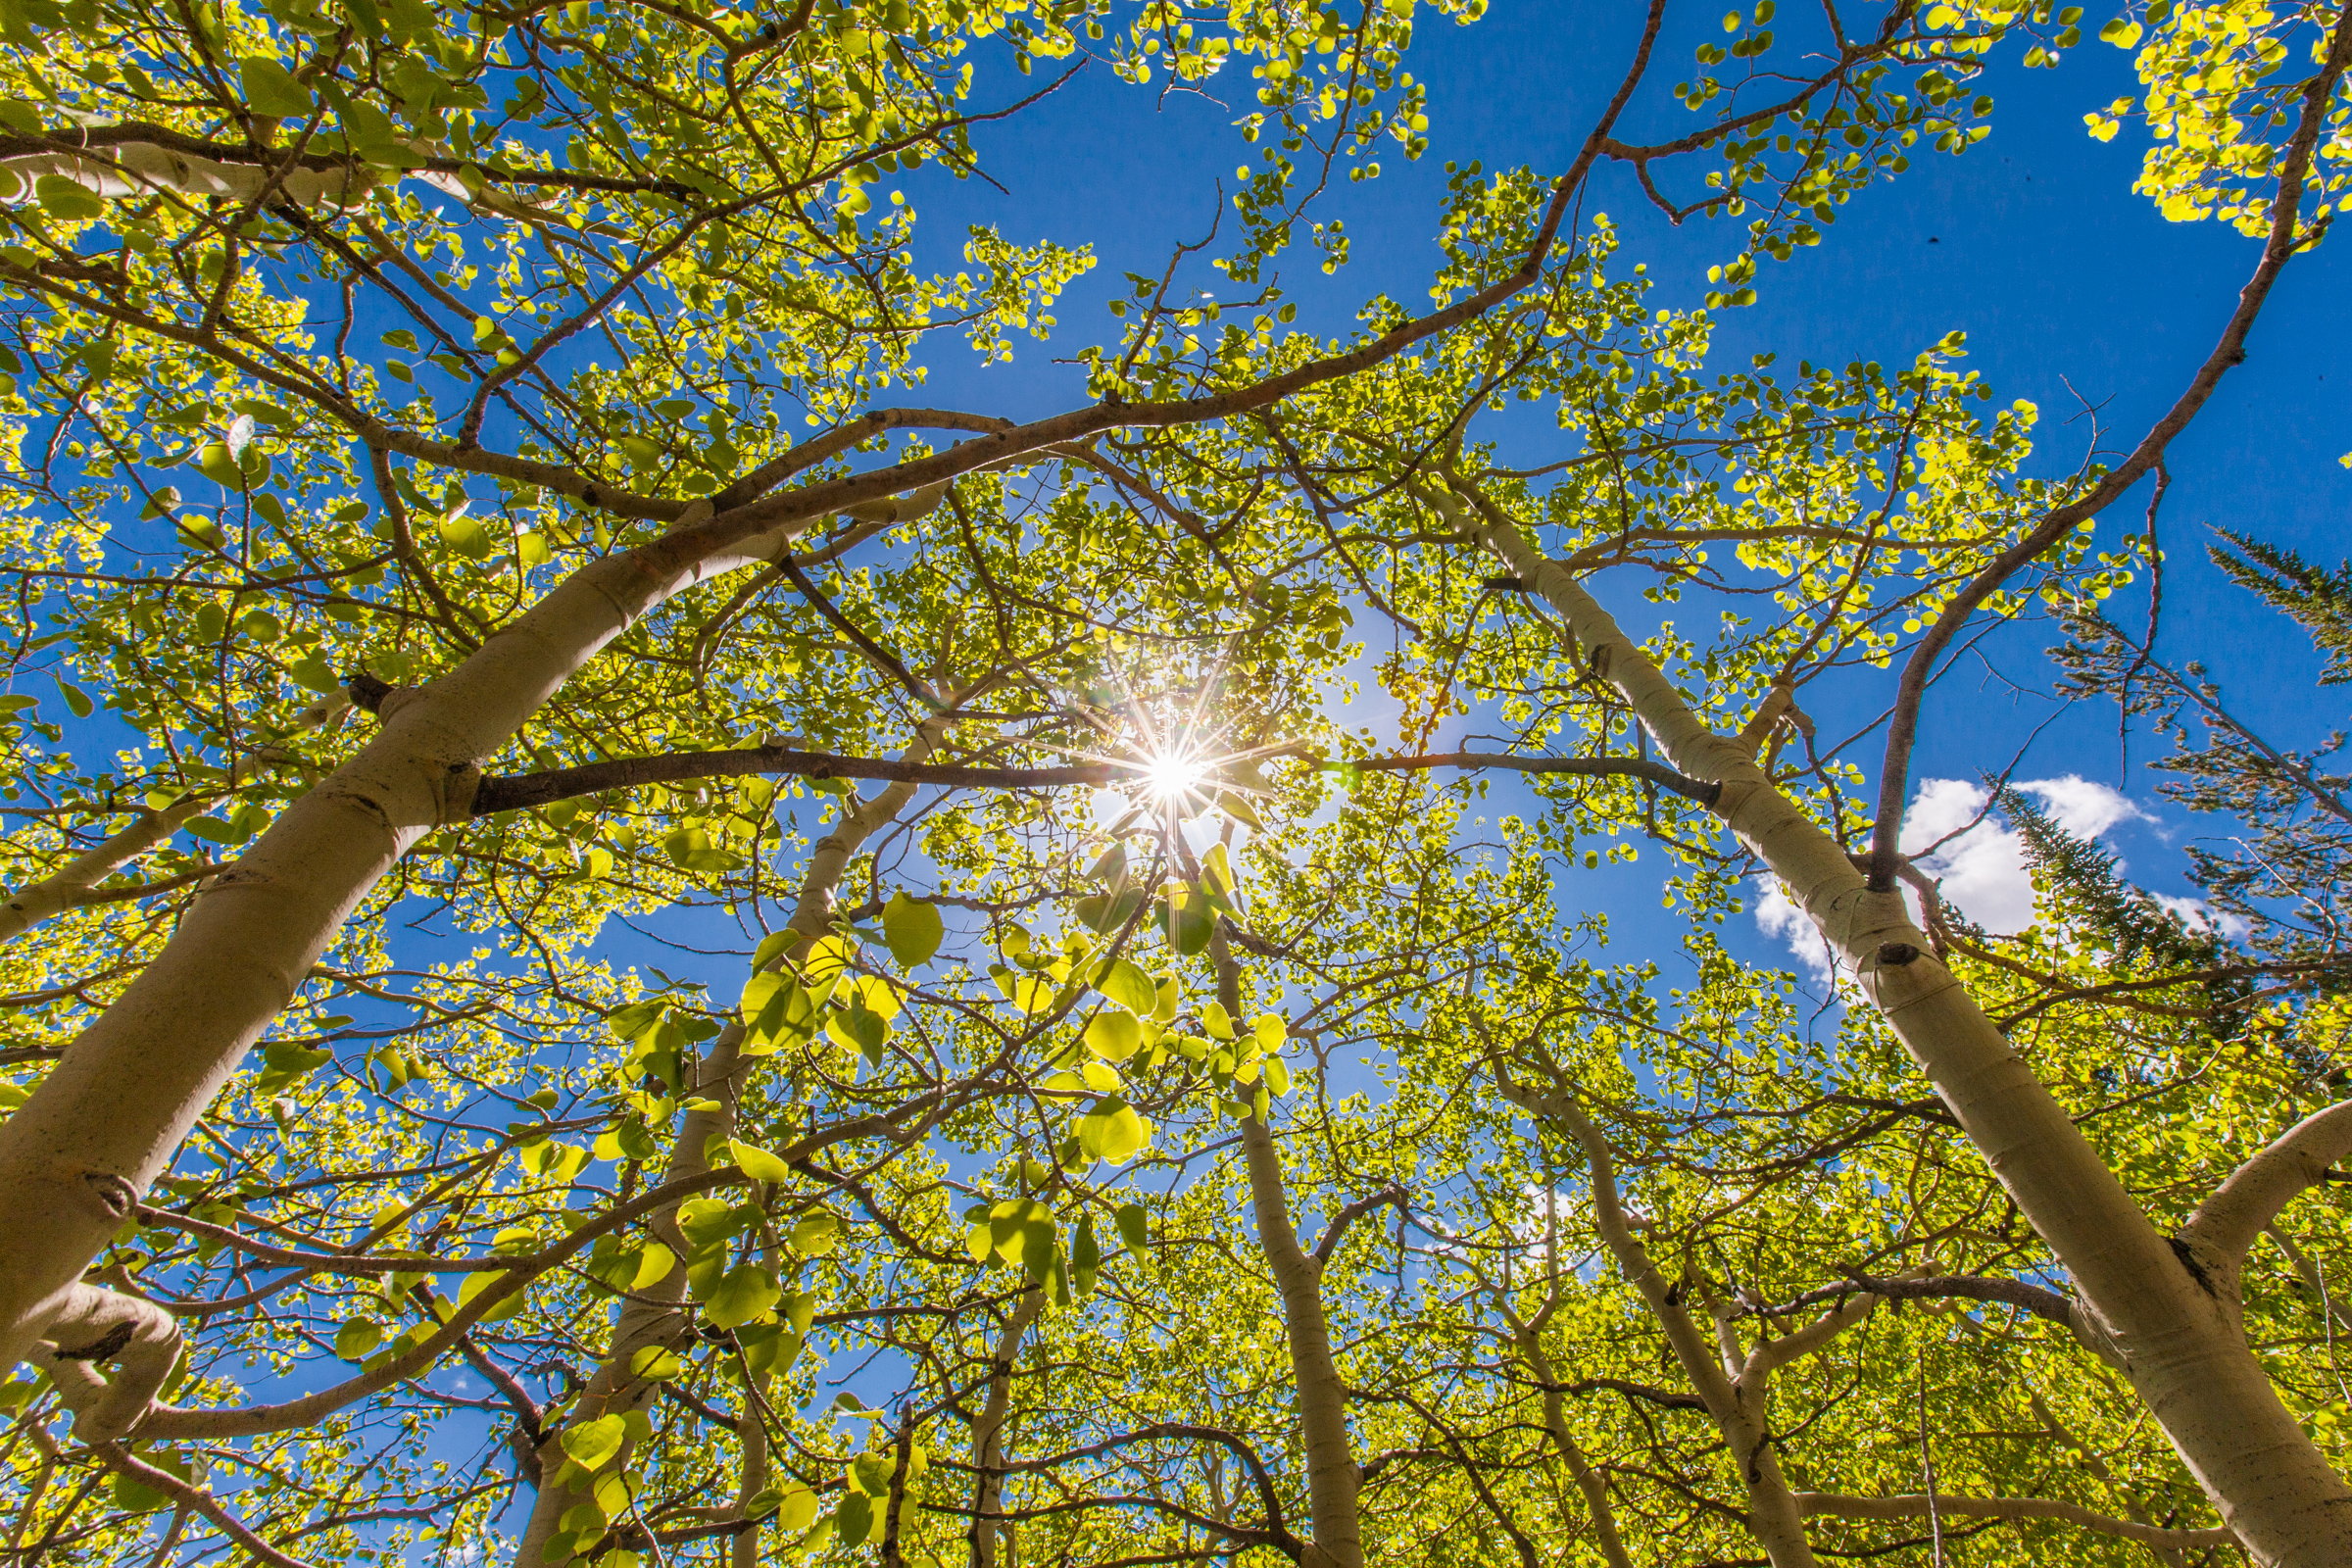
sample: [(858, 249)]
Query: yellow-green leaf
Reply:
[(757, 1163), (1115, 1034), (912, 929), (1127, 985), (592, 1445), (270, 89), (746, 1292)]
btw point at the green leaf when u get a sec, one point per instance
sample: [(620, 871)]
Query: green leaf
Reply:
[(690, 849), (270, 89), (795, 1511), (912, 929), (1032, 994), (61, 197), (1189, 922), (817, 1234), (746, 1292), (1217, 877), (592, 1445), (856, 1519), (655, 1363), (870, 1474), (218, 463), (1127, 985), (757, 1163), (862, 1029), (1115, 1034), (1111, 1130), (1133, 1225), (464, 533), (477, 1284), (1105, 913), (285, 1057), (358, 1338)]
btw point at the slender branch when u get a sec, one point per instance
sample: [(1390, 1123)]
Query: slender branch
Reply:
[(1658, 773), (2033, 1298), (73, 885), (518, 791), (1917, 1507), (1337, 1230), (1902, 725), (119, 1459)]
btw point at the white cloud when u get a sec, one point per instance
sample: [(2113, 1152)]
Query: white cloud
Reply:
[(1779, 917), (1979, 864), (2082, 807), (1976, 860), (2197, 915)]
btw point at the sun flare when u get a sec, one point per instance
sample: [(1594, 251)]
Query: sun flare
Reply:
[(1169, 777)]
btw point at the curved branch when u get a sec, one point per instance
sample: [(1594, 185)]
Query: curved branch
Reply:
[(1658, 773), (1337, 1230), (2032, 1298), (518, 791), (1916, 1505), (71, 885), (2226, 1223), (119, 1459), (135, 133), (166, 1422)]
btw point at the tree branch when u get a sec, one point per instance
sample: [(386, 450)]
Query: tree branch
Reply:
[(1916, 1506), (1337, 1230), (1902, 724), (2226, 1223)]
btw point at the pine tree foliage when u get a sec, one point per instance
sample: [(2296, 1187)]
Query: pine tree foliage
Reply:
[(2279, 853), (2315, 599), (2077, 882)]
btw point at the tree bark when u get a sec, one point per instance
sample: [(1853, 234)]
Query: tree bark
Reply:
[(655, 1315), (1589, 1481), (988, 1432), (1735, 1394), (2174, 1328), (71, 885), (121, 162), (1332, 1475)]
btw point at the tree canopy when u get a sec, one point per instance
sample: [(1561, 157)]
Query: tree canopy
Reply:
[(1184, 1087)]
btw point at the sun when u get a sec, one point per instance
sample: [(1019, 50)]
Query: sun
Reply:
[(1170, 777)]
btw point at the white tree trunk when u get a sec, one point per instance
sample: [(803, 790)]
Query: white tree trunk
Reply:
[(1735, 1393), (988, 1432), (78, 1154), (1331, 1477), (114, 170), (2175, 1329)]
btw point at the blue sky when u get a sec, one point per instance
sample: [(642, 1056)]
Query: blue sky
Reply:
[(2074, 292)]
